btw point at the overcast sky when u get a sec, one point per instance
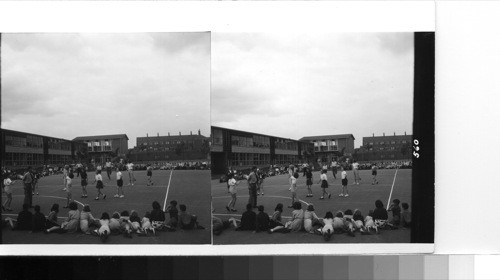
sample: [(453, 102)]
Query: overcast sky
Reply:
[(69, 85), (295, 85)]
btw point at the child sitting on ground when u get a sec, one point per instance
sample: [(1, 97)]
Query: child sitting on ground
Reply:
[(135, 222), (396, 212), (24, 219), (147, 226), (327, 229), (86, 220), (405, 216), (296, 223), (38, 220), (338, 222), (187, 220), (275, 223), (370, 223), (174, 214), (311, 220), (125, 225), (248, 220), (104, 230), (263, 220), (358, 222), (349, 222), (114, 223)]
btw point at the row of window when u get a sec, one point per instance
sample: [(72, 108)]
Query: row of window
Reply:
[(326, 148), (156, 143), (389, 142), (37, 142), (99, 149), (286, 145), (22, 159), (242, 159), (216, 137)]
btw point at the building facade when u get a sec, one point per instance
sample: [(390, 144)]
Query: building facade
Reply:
[(385, 148), (328, 147), (103, 147), (242, 150), (191, 147), (21, 149)]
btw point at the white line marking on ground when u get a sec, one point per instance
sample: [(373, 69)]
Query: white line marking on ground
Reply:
[(54, 197), (262, 197), (392, 188), (168, 187)]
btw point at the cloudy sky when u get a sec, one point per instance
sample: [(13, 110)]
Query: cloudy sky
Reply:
[(69, 85), (295, 85)]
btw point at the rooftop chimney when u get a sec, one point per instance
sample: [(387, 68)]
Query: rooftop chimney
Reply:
[(191, 132), (147, 135), (373, 134), (169, 134), (384, 134), (179, 133), (158, 134), (394, 133), (405, 133), (199, 132)]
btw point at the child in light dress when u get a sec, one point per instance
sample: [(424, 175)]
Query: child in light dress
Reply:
[(293, 187), (369, 223), (104, 230), (86, 220), (327, 230), (349, 222), (358, 222), (296, 223), (311, 220), (147, 226), (338, 222), (114, 223)]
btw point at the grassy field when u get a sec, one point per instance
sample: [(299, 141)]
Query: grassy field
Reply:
[(189, 187), (362, 196)]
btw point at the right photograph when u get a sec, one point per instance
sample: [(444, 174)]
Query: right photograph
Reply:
[(312, 137)]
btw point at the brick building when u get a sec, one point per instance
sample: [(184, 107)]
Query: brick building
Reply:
[(190, 147), (328, 147), (21, 149), (242, 150), (103, 147), (385, 148)]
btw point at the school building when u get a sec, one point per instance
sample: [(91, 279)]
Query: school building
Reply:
[(242, 150), (21, 149), (328, 147), (103, 147), (385, 148), (190, 147)]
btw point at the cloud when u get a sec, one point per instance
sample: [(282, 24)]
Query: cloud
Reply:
[(89, 84)]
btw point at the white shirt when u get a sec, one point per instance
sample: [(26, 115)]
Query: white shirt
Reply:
[(232, 185), (7, 182), (98, 177), (344, 174), (355, 165), (323, 177), (118, 175), (130, 166)]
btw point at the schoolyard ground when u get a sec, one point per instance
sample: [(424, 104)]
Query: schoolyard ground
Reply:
[(189, 187), (391, 185)]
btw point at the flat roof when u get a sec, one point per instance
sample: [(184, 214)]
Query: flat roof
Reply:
[(96, 137)]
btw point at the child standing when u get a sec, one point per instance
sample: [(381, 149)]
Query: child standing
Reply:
[(84, 182), (355, 171), (232, 190), (374, 174), (343, 175), (99, 185), (293, 187), (324, 184), (149, 174), (7, 188), (309, 183), (119, 184), (69, 195)]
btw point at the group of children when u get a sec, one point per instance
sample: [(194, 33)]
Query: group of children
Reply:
[(347, 221), (125, 222)]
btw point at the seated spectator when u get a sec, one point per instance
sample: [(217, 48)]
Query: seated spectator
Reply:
[(71, 223), (248, 219), (296, 223), (338, 222), (104, 230), (311, 220), (275, 223), (327, 229), (263, 221), (52, 217), (405, 215), (157, 215), (146, 224), (38, 220), (24, 219), (114, 223), (173, 213), (187, 220), (396, 212), (87, 220), (349, 222)]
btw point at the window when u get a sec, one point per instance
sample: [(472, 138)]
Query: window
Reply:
[(217, 137)]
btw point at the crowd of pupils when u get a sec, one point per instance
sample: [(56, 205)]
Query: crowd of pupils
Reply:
[(126, 223), (347, 221)]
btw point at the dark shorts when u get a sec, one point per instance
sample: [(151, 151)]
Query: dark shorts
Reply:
[(309, 181), (119, 183), (324, 184), (374, 172), (99, 185), (344, 182), (84, 182), (150, 173)]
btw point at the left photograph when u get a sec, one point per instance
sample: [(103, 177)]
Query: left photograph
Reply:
[(105, 138)]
